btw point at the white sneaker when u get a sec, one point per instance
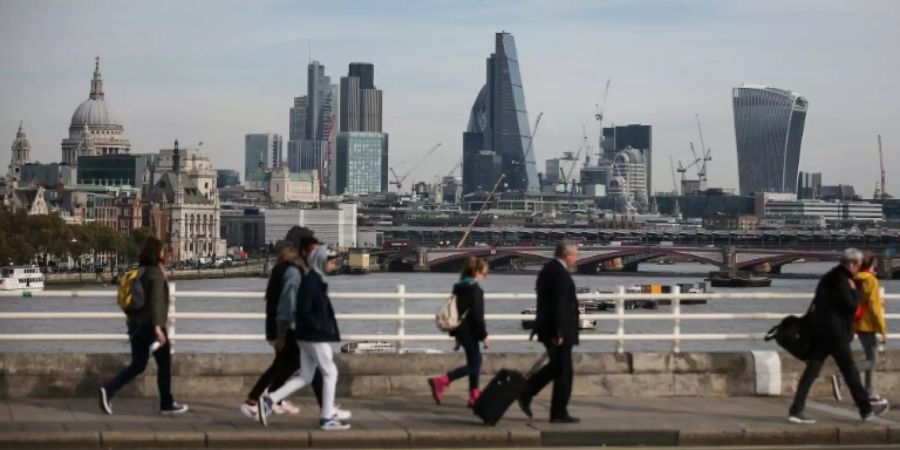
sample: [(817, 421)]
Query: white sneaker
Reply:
[(288, 408), (249, 410), (341, 414), (333, 425), (277, 409)]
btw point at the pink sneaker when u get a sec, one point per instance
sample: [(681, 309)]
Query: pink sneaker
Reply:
[(473, 397), (438, 384)]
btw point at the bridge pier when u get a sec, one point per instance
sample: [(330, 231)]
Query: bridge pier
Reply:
[(885, 265), (729, 258)]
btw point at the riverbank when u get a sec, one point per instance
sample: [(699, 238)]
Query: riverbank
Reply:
[(241, 271)]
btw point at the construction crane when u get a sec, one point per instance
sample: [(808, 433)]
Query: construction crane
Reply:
[(682, 169), (884, 194), (455, 166), (704, 151), (674, 180), (598, 115), (585, 144), (534, 129), (487, 200), (398, 180)]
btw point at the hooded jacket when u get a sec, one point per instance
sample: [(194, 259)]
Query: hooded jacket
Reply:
[(469, 301), (315, 321), (872, 320)]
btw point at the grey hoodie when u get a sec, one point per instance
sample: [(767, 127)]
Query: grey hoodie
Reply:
[(317, 260)]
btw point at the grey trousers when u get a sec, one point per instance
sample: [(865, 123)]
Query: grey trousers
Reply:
[(869, 343)]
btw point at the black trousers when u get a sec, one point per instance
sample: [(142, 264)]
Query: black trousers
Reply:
[(843, 357), (558, 370), (141, 338), (285, 364)]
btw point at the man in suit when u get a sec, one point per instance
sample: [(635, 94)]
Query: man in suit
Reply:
[(556, 325), (831, 323)]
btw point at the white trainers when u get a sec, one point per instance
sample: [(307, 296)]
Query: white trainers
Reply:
[(249, 410), (286, 407), (333, 425), (341, 415)]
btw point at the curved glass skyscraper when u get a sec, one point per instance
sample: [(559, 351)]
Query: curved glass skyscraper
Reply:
[(498, 124), (768, 126)]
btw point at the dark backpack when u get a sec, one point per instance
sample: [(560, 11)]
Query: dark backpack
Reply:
[(793, 335)]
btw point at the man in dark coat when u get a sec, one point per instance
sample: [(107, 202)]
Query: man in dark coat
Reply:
[(556, 325), (830, 323)]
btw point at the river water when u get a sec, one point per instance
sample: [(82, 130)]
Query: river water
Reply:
[(414, 282)]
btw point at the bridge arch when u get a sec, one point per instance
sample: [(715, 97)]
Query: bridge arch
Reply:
[(642, 254), (488, 253)]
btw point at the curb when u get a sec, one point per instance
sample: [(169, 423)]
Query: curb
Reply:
[(454, 438)]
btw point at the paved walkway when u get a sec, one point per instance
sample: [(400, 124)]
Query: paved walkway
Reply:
[(404, 422)]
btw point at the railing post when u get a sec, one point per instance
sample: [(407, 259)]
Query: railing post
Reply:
[(401, 311), (620, 313), (881, 292), (170, 326), (676, 319)]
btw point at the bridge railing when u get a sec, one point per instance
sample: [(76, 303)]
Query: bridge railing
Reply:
[(618, 316)]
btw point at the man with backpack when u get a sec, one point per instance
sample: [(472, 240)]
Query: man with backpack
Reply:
[(830, 325)]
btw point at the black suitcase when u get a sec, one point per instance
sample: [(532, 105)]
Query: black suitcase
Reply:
[(505, 388)]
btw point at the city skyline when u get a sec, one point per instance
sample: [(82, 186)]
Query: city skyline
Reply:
[(668, 60)]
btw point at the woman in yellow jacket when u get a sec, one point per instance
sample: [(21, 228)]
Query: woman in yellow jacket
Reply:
[(869, 319)]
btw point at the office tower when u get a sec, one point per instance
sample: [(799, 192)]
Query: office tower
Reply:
[(262, 152), (313, 119), (768, 127), (361, 160), (809, 186), (498, 122), (639, 137)]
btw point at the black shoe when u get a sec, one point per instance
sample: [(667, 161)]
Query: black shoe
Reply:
[(104, 402), (566, 419), (175, 408), (525, 406)]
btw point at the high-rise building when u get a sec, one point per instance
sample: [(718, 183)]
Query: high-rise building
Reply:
[(94, 129), (227, 177), (639, 137), (313, 119), (499, 122), (768, 127), (261, 152), (809, 186), (361, 159)]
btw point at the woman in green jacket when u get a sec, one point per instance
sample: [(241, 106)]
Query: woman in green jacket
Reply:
[(147, 333)]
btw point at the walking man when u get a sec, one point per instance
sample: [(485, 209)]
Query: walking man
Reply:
[(830, 321), (556, 325)]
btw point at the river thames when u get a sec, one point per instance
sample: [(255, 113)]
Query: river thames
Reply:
[(414, 282)]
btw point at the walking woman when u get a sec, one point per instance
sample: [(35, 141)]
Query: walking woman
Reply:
[(869, 320), (146, 327), (470, 306)]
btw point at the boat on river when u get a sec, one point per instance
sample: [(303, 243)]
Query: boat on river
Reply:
[(737, 279), (21, 278)]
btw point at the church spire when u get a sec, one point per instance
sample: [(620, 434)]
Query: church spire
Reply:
[(97, 82)]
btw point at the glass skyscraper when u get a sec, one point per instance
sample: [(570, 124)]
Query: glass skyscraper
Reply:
[(768, 127), (361, 162), (499, 122)]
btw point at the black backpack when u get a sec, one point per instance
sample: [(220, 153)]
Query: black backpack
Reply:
[(793, 335)]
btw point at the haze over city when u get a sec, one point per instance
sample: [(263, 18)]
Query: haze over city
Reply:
[(215, 71)]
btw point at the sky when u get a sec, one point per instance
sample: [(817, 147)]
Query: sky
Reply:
[(214, 71)]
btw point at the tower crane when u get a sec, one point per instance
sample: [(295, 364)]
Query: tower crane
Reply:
[(571, 182), (455, 166), (682, 169), (704, 151), (674, 180), (598, 115), (398, 180)]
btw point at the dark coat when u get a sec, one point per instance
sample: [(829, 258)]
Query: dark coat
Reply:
[(469, 297), (156, 299), (557, 304), (832, 309), (315, 315), (273, 294)]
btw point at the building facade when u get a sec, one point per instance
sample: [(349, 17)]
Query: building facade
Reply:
[(262, 152), (94, 129), (636, 136), (499, 122), (768, 127), (335, 226), (628, 180), (362, 163), (227, 177), (287, 187), (834, 212), (727, 222), (113, 170), (314, 122), (19, 156)]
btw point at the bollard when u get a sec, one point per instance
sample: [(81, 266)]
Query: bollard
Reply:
[(401, 311), (676, 319), (620, 313)]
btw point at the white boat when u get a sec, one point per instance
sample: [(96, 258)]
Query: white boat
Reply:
[(370, 347), (24, 278)]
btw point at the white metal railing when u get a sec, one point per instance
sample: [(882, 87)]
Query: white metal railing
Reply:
[(619, 316)]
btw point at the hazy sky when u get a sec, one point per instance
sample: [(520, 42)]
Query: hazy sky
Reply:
[(213, 71)]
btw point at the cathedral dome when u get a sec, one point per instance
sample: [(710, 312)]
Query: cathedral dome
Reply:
[(95, 112)]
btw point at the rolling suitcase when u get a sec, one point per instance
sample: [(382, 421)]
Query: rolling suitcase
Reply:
[(505, 388), (498, 395)]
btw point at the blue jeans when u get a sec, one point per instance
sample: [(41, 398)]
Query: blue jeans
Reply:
[(141, 338), (473, 364)]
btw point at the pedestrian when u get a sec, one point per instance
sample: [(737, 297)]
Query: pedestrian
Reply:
[(869, 320), (147, 327), (316, 329), (831, 331), (556, 326), (471, 330), (281, 292)]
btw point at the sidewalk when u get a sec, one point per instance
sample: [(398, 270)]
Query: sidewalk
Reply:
[(416, 422)]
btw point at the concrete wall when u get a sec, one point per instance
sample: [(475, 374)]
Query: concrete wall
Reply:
[(596, 374)]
